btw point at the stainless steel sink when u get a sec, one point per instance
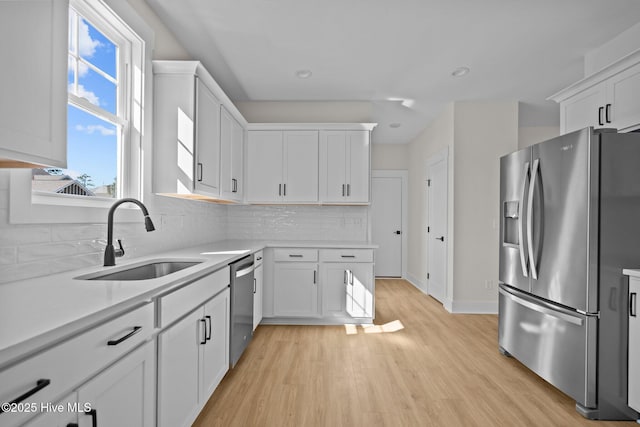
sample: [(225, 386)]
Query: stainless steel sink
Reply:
[(150, 270)]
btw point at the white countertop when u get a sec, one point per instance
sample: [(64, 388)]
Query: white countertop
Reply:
[(38, 312)]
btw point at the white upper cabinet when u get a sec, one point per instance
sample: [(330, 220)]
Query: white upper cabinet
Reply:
[(231, 154), (207, 142), (197, 135), (345, 169), (605, 99), (33, 83), (282, 166)]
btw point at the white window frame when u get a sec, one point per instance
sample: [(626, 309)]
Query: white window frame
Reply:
[(27, 206)]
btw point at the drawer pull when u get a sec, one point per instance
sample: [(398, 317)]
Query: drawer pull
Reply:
[(632, 304), (295, 256), (347, 256), (40, 384), (94, 417), (134, 331)]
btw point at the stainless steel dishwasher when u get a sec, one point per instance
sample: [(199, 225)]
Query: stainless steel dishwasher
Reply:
[(241, 307)]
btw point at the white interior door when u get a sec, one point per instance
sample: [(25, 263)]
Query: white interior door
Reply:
[(386, 225), (437, 238)]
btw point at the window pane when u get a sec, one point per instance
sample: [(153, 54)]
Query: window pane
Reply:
[(96, 48), (92, 152), (96, 89), (73, 37), (71, 73)]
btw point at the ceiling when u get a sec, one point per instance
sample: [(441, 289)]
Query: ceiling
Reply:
[(398, 54)]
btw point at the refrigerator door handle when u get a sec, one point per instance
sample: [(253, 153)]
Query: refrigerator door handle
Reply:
[(558, 313), (532, 187), (523, 253)]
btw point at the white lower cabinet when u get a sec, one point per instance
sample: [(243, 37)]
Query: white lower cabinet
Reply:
[(193, 356), (258, 277), (123, 394), (322, 286), (347, 290), (58, 415), (295, 289), (634, 345)]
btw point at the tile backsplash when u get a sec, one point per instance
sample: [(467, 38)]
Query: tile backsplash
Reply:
[(28, 251)]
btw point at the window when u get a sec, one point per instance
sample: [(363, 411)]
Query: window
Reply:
[(98, 109), (106, 100)]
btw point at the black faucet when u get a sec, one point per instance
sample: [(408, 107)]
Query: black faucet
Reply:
[(110, 253)]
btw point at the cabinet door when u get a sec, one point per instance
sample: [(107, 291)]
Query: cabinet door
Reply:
[(301, 166), (207, 141), (624, 103), (634, 345), (62, 414), (237, 162), (214, 361), (264, 163), (178, 353), (358, 166), (583, 110), (231, 142), (334, 287), (333, 166), (258, 275), (33, 105), (226, 154), (122, 395), (295, 289), (359, 298)]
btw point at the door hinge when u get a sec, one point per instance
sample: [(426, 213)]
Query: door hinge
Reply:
[(428, 183)]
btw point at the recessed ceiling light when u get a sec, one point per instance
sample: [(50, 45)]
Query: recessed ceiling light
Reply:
[(395, 125), (303, 74), (460, 71)]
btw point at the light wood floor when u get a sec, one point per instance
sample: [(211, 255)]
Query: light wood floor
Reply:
[(438, 370)]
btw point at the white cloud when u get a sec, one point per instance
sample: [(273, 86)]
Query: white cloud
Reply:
[(87, 94), (91, 129), (86, 45)]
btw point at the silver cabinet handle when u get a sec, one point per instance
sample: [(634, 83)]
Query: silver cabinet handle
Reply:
[(521, 225), (532, 187), (314, 277), (284, 192), (199, 172), (348, 190), (279, 189), (344, 279), (342, 190)]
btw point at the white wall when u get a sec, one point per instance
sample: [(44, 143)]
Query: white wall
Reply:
[(477, 134), (615, 49), (484, 131), (436, 137), (533, 134), (389, 156)]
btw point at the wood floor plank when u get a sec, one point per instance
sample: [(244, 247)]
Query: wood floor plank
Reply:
[(417, 366)]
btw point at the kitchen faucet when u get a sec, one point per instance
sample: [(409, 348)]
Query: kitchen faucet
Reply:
[(110, 253)]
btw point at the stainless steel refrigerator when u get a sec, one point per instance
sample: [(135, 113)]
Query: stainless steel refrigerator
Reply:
[(570, 222)]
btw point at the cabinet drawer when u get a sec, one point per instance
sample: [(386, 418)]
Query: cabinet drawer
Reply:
[(346, 255), (257, 258), (178, 303), (294, 254), (65, 366)]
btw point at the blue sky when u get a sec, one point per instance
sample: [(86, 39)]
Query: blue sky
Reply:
[(92, 142)]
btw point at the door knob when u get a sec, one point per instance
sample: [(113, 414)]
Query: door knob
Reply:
[(441, 238), (397, 232)]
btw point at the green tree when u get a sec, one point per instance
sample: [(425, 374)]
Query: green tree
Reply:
[(85, 180)]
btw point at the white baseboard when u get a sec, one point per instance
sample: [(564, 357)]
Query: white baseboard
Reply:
[(454, 306), (419, 284)]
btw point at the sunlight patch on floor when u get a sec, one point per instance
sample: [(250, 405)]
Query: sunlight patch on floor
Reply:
[(393, 326)]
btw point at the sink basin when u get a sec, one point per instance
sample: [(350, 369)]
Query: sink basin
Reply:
[(150, 270)]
